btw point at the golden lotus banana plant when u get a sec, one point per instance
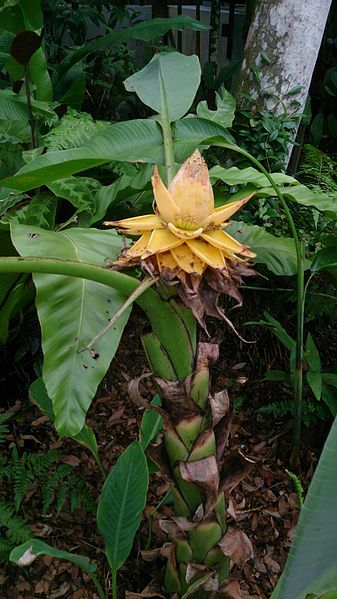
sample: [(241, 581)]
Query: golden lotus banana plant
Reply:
[(184, 241), (185, 245)]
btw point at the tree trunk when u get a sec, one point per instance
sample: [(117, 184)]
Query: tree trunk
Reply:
[(280, 54)]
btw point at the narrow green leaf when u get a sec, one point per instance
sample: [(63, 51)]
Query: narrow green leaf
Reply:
[(314, 374), (152, 424), (121, 504)]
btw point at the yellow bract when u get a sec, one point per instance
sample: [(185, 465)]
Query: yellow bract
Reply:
[(186, 233)]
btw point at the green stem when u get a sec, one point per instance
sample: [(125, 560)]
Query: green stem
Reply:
[(167, 135), (299, 354), (98, 586), (114, 584), (300, 250), (29, 107)]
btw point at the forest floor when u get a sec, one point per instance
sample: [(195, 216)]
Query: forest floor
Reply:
[(264, 504)]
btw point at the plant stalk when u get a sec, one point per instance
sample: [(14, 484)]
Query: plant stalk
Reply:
[(29, 107), (98, 586), (167, 135)]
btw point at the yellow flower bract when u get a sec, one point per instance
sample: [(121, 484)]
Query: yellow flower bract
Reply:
[(187, 231)]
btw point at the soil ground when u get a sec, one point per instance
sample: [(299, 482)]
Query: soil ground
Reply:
[(264, 504)]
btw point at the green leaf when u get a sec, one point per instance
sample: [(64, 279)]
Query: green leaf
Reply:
[(41, 211), (277, 376), (237, 176), (39, 75), (121, 504), (330, 81), (311, 566), (126, 141), (325, 258), (314, 375), (72, 312), (279, 331), (277, 253), (14, 107), (329, 397), (79, 191), (152, 424), (129, 141), (25, 554), (170, 78), (306, 197), (225, 108)]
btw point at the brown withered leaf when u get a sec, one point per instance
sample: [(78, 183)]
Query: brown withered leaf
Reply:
[(158, 455), (220, 405), (176, 400), (184, 523), (234, 469), (149, 555), (205, 474), (135, 394), (237, 546), (147, 593), (207, 578), (231, 589), (208, 353), (171, 528)]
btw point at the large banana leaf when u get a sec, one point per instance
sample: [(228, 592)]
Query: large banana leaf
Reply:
[(168, 83), (311, 566), (72, 312), (14, 107), (138, 140)]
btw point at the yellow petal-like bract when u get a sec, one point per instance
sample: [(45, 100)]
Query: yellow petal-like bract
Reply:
[(186, 233)]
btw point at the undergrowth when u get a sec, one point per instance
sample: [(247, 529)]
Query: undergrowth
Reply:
[(312, 410), (54, 482)]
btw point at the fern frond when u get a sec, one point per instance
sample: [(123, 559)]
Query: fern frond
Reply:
[(27, 469), (16, 528), (312, 410), (73, 130), (63, 483), (5, 548)]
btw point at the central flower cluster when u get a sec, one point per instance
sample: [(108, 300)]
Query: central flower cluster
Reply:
[(186, 232)]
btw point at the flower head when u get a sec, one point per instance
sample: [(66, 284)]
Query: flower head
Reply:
[(184, 241)]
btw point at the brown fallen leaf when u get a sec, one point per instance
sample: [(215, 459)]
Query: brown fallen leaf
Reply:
[(71, 460), (237, 546), (64, 588)]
